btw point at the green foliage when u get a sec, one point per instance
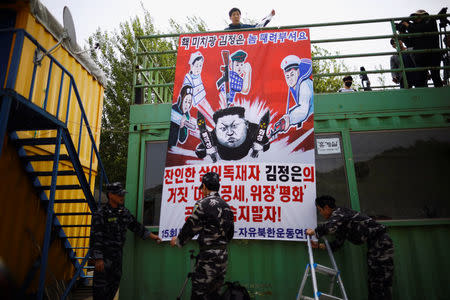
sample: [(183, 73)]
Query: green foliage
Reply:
[(117, 59), (381, 78), (329, 84), (193, 24)]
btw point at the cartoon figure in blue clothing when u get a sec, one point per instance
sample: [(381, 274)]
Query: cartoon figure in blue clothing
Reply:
[(296, 72), (236, 78)]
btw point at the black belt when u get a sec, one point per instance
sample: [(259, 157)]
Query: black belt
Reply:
[(213, 247)]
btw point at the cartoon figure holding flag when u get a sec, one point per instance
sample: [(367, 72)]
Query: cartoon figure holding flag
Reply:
[(296, 72), (235, 79)]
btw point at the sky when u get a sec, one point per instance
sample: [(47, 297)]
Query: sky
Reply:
[(88, 15)]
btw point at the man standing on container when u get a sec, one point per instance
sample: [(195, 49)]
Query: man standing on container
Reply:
[(109, 227), (235, 18), (421, 24), (213, 220), (358, 228)]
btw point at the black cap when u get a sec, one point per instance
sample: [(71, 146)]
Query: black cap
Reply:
[(211, 181), (239, 56), (116, 188)]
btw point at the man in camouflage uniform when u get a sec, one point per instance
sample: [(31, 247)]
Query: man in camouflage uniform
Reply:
[(212, 219), (108, 231), (358, 228)]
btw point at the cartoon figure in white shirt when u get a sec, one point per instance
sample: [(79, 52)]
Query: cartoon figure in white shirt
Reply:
[(194, 79), (297, 74)]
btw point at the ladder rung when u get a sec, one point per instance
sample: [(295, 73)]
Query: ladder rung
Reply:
[(50, 173), (38, 141), (325, 270), (78, 247), (327, 297), (89, 267), (73, 214), (87, 276), (45, 157), (60, 187), (70, 201), (316, 268)]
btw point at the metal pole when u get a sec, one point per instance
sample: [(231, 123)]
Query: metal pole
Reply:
[(50, 214), (333, 262), (49, 79), (68, 102), (400, 56), (313, 271), (90, 165), (60, 92), (136, 65), (302, 285), (77, 274)]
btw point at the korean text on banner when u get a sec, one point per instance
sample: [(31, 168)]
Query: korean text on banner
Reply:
[(243, 106)]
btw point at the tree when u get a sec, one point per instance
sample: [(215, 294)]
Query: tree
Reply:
[(116, 58), (328, 84)]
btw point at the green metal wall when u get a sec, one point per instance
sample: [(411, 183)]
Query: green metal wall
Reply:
[(273, 269)]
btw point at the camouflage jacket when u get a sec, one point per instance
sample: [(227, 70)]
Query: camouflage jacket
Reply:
[(109, 228), (347, 224), (212, 219)]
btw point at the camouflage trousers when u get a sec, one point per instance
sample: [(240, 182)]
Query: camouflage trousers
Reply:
[(380, 261), (106, 283), (209, 274)]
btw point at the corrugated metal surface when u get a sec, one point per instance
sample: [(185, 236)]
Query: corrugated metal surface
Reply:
[(66, 194), (22, 224), (272, 269), (91, 94), (91, 91)]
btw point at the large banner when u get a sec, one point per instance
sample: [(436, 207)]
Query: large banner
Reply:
[(243, 107)]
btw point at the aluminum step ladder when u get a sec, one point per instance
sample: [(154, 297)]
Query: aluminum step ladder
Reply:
[(312, 268)]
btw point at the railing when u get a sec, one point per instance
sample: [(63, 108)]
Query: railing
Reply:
[(147, 74), (20, 36), (23, 90)]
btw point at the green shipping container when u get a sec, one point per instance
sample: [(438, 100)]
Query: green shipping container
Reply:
[(393, 164)]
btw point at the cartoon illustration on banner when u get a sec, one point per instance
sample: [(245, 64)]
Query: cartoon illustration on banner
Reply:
[(240, 100), (267, 75)]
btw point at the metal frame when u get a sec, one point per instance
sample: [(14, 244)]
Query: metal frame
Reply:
[(313, 267), (49, 220), (8, 95), (12, 75), (150, 72)]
